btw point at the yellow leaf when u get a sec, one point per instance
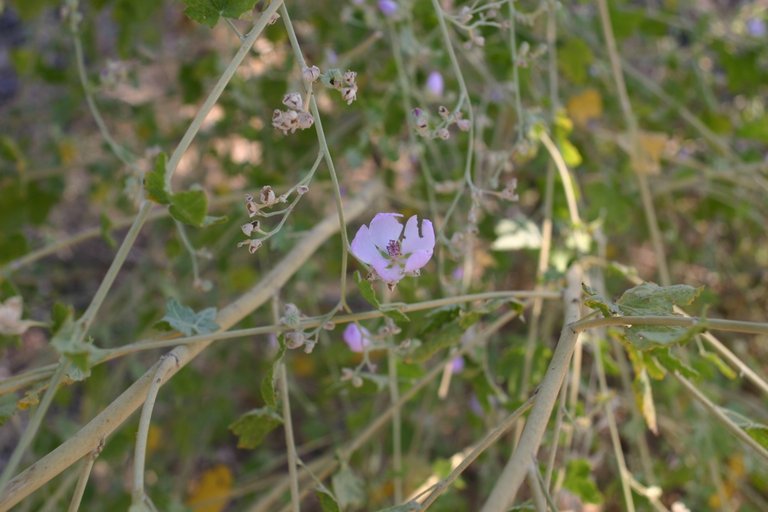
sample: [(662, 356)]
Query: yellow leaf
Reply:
[(211, 492), (651, 146), (585, 106)]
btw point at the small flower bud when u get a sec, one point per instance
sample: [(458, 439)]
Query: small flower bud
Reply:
[(443, 133), (463, 125), (302, 189), (253, 245), (478, 41), (350, 78), (349, 94), (309, 345), (291, 315), (294, 339), (465, 15), (273, 19), (249, 228), (329, 325), (443, 111), (305, 120), (310, 74), (293, 100), (250, 205), (267, 195)]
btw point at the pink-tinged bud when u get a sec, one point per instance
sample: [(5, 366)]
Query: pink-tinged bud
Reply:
[(443, 133), (465, 15), (249, 228), (463, 125), (294, 339), (267, 195), (435, 84), (250, 205), (310, 74), (293, 100), (349, 94), (305, 120), (350, 78), (302, 189), (273, 19)]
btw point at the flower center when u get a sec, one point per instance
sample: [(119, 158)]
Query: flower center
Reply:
[(393, 248)]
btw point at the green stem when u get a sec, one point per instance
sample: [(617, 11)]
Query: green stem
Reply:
[(326, 152), (515, 72), (140, 452), (34, 424), (397, 443)]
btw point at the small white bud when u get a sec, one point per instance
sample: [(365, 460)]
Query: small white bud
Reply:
[(349, 94), (293, 100), (267, 195), (350, 78), (273, 19), (302, 189), (443, 133), (294, 339), (305, 120), (465, 15), (479, 40), (249, 228), (310, 74), (463, 124), (250, 205), (443, 111)]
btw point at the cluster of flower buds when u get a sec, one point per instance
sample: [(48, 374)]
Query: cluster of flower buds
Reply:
[(421, 120), (346, 83), (295, 118), (266, 198), (348, 374), (71, 14), (296, 338)]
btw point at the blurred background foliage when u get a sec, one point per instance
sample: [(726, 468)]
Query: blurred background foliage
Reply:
[(697, 76)]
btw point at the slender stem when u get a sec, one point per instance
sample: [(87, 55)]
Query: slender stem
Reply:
[(397, 443), (464, 91), (565, 177), (635, 149), (32, 427), (721, 417), (489, 439), (120, 152), (168, 363), (290, 444), (86, 320), (190, 250), (613, 429), (326, 152), (508, 483), (515, 70), (218, 89), (675, 321), (82, 480), (539, 502)]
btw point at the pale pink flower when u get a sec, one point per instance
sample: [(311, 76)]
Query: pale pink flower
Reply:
[(388, 7), (435, 84), (356, 337), (457, 364), (394, 252)]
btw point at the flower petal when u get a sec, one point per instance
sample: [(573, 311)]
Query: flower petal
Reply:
[(412, 242), (364, 249), (417, 260), (389, 272), (385, 227), (355, 338)]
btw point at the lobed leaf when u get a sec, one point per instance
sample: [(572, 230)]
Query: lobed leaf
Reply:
[(186, 321), (252, 427)]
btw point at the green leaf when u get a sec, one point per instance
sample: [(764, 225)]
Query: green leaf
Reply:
[(649, 299), (154, 181), (671, 363), (578, 480), (187, 322), (268, 390), (61, 315), (210, 220), (445, 337), (105, 225), (644, 398), (366, 290), (189, 207), (326, 499), (81, 355), (596, 301), (348, 488), (7, 407), (208, 12), (252, 427), (757, 431), (721, 365)]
